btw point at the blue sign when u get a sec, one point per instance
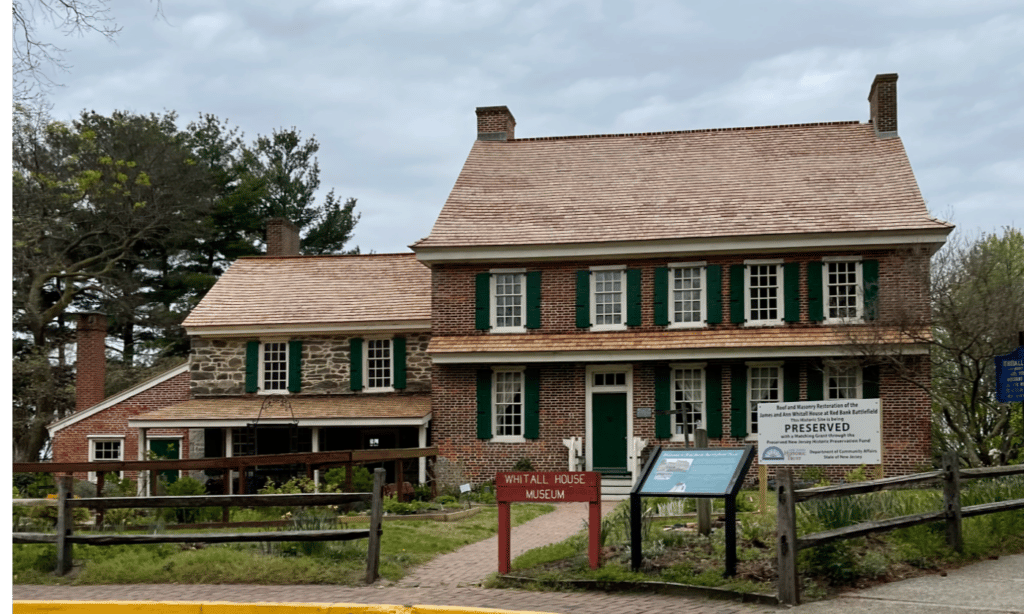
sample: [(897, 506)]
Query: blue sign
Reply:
[(1010, 376), (695, 472)]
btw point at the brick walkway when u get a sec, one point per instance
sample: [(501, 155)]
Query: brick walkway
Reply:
[(450, 579)]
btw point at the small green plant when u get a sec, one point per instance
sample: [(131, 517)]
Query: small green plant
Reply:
[(814, 474), (523, 464), (860, 474), (362, 479), (188, 487)]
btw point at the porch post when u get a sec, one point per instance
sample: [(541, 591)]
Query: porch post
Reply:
[(229, 482), (423, 459), (315, 435), (143, 476)]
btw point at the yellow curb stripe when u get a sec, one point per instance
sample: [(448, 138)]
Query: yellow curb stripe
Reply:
[(195, 607)]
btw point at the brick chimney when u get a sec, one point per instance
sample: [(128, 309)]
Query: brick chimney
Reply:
[(91, 360), (495, 124), (883, 105), (282, 237)]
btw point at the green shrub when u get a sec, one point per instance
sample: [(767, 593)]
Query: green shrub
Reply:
[(362, 479), (34, 485), (189, 487), (523, 464), (393, 506)]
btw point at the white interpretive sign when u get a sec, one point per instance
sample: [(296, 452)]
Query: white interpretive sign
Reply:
[(834, 432)]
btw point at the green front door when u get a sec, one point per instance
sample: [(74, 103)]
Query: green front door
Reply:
[(609, 432), (166, 449)]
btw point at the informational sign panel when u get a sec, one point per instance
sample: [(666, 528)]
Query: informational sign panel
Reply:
[(690, 472), (834, 432), (1010, 376)]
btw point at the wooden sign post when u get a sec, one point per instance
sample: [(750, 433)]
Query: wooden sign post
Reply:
[(547, 487)]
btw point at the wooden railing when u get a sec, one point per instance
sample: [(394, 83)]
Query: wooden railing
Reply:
[(64, 538), (312, 461), (789, 544)]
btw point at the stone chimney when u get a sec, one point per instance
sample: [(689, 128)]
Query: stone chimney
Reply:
[(883, 105), (282, 237), (91, 360), (495, 124)]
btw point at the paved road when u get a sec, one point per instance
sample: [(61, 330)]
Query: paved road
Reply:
[(989, 586)]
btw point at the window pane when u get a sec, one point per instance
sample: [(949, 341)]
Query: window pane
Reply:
[(764, 388), (842, 290), (378, 363), (508, 403), (842, 383), (508, 300), (607, 297), (686, 295), (688, 400), (106, 450), (275, 366), (764, 292)]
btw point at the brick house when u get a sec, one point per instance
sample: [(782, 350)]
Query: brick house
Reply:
[(594, 296)]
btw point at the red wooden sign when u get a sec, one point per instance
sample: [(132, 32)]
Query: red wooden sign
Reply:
[(547, 487)]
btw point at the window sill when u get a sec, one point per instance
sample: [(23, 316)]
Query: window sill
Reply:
[(608, 328), (842, 321), (507, 439), (684, 326), (272, 392), (763, 323), (505, 331), (377, 390)]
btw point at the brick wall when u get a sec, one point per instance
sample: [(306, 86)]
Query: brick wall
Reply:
[(902, 289), (906, 431), (71, 444)]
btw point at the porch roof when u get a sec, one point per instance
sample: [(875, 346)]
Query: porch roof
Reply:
[(327, 410), (711, 343)]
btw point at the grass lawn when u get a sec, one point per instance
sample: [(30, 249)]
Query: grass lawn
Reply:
[(683, 556), (403, 545)]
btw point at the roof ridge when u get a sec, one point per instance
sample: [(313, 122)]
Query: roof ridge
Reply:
[(696, 130), (310, 256)]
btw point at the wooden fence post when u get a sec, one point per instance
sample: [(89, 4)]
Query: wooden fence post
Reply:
[(789, 585), (376, 512), (951, 500), (703, 504), (65, 523)]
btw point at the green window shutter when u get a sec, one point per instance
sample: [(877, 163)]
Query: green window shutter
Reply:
[(483, 301), (815, 383), (662, 402), (713, 275), (531, 399), (582, 299), (634, 296), (398, 357), (870, 270), (713, 396), (815, 296), (790, 381), (533, 299), (355, 353), (483, 404), (739, 401), (252, 366), (872, 382), (295, 365), (791, 291), (661, 283), (736, 306)]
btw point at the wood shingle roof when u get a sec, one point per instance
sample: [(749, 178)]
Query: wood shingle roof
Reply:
[(316, 290), (777, 180)]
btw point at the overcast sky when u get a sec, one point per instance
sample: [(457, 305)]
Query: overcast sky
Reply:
[(389, 88)]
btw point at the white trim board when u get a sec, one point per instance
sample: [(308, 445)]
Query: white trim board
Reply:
[(117, 398), (199, 423), (641, 355), (397, 326)]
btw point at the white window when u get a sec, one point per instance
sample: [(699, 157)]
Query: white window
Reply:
[(764, 385), (274, 367), (763, 293), (688, 295), (844, 299), (378, 357), (508, 301), (105, 448), (608, 298), (688, 401), (507, 404), (843, 382)]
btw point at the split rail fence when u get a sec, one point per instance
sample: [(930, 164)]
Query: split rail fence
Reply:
[(65, 537), (789, 544)]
